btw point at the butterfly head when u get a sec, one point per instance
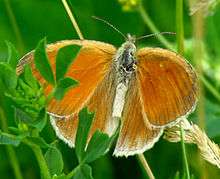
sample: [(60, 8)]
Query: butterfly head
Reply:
[(131, 38), (128, 48)]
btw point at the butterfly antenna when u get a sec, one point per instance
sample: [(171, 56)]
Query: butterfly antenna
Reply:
[(107, 23), (155, 34)]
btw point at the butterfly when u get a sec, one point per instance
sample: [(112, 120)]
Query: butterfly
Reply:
[(146, 89)]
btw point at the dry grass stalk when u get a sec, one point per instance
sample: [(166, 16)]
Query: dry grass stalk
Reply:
[(206, 6), (193, 134)]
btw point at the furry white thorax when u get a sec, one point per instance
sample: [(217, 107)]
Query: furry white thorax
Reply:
[(125, 62)]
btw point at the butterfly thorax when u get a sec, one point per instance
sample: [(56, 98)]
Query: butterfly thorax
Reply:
[(126, 62)]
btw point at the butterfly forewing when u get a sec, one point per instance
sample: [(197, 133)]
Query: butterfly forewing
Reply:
[(89, 68), (96, 89), (167, 83)]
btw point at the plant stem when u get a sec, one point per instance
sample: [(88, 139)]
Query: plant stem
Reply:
[(145, 165), (72, 19), (14, 162), (10, 151), (198, 31), (75, 25), (152, 26), (45, 174), (184, 153), (14, 25), (198, 55), (180, 49), (179, 27)]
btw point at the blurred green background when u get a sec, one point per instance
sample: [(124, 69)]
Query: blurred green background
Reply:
[(36, 19)]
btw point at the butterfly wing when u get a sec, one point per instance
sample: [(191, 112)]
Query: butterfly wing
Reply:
[(100, 102), (89, 68), (93, 69), (168, 85), (136, 136)]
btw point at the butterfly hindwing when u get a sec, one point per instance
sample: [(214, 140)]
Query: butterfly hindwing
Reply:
[(100, 102), (136, 135)]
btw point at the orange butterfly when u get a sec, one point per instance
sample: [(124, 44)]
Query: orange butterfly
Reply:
[(147, 89)]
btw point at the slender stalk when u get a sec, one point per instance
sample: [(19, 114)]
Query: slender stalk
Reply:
[(71, 174), (152, 26), (198, 33), (14, 162), (72, 18), (184, 153), (45, 174), (180, 49), (179, 27), (145, 165), (10, 151), (14, 25)]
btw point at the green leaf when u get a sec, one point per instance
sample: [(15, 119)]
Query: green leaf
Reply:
[(8, 139), (39, 141), (41, 120), (98, 145), (38, 122), (85, 121), (13, 56), (29, 78), (42, 62), (62, 176), (83, 172), (28, 91), (8, 76), (14, 130), (54, 160), (67, 83), (63, 86), (64, 58), (22, 116)]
